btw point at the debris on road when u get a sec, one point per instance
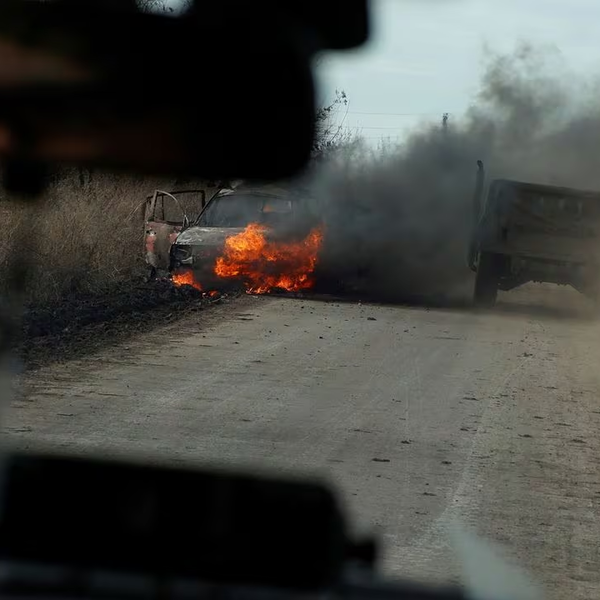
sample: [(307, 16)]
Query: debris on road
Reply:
[(272, 398)]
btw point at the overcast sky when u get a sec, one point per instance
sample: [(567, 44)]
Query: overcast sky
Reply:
[(426, 56)]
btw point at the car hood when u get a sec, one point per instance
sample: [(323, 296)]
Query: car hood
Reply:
[(206, 236)]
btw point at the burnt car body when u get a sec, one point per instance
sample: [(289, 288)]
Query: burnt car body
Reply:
[(285, 216), (165, 217), (166, 214)]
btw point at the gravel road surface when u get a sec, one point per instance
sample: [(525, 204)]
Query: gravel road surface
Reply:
[(420, 416)]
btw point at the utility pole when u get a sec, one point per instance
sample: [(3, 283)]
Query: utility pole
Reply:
[(445, 117)]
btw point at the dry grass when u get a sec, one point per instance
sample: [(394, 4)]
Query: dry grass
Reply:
[(85, 237)]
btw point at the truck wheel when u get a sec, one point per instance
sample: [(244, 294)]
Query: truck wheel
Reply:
[(486, 281)]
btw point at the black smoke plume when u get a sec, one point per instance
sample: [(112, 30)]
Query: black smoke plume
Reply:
[(399, 221)]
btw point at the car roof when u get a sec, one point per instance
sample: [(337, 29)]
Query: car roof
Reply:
[(267, 193)]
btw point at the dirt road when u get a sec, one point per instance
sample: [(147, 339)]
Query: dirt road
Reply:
[(421, 416)]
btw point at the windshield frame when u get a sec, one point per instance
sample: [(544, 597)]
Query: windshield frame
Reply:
[(263, 195)]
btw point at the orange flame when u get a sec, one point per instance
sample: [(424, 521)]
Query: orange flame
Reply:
[(265, 265), (186, 278)]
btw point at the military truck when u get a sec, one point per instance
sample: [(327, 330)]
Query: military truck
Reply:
[(527, 232)]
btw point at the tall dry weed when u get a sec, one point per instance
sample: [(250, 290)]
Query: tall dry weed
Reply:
[(87, 235)]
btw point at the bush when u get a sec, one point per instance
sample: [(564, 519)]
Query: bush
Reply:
[(88, 234)]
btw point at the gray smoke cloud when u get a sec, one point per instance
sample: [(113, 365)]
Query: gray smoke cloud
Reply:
[(403, 217)]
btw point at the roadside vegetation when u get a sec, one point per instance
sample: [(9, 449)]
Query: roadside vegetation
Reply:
[(87, 234)]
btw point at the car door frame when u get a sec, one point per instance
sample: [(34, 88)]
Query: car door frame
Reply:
[(159, 233)]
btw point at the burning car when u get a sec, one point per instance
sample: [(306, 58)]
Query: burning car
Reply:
[(166, 214), (258, 238)]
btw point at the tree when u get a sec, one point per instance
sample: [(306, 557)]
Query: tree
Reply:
[(164, 6), (328, 133)]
